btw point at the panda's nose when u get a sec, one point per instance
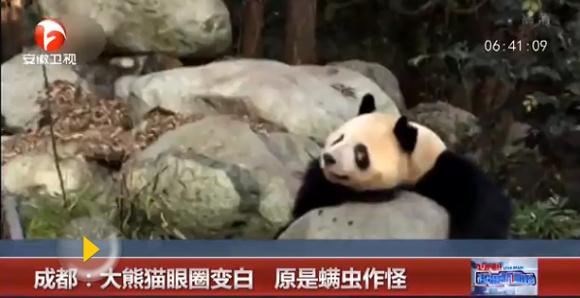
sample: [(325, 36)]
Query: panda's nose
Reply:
[(328, 159)]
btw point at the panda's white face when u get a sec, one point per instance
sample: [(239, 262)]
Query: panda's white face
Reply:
[(364, 154)]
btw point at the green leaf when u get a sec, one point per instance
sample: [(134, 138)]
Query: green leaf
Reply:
[(574, 88), (573, 3), (415, 61), (547, 72)]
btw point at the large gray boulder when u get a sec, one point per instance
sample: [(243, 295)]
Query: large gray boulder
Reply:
[(21, 87), (295, 152), (380, 75), (33, 184), (214, 178), (451, 123), (411, 216), (289, 97)]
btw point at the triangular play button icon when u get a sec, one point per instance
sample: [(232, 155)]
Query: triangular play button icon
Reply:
[(89, 249)]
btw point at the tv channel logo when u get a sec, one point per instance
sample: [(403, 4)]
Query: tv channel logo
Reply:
[(504, 276), (50, 35), (70, 39)]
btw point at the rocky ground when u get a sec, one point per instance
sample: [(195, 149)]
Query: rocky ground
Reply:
[(214, 151)]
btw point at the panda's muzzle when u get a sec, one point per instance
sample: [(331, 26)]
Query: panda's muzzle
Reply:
[(328, 160), (339, 177)]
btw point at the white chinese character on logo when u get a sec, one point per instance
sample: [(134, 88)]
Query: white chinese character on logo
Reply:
[(110, 275), (45, 279), (307, 279), (56, 59), (133, 278), (398, 279), (221, 277), (329, 278), (42, 59), (198, 279), (29, 59), (243, 279), (351, 280), (66, 279), (69, 59), (374, 277), (155, 278)]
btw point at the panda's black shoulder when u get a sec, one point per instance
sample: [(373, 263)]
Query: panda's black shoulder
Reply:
[(316, 192), (477, 207)]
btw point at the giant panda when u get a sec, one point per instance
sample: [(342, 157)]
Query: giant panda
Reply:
[(374, 156)]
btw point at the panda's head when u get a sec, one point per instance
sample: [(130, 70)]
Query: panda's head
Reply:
[(375, 151)]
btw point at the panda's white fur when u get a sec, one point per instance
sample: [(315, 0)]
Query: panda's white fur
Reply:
[(390, 165), (410, 216)]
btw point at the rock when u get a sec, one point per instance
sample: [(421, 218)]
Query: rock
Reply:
[(34, 174), (5, 139), (146, 64), (11, 225), (352, 84), (451, 123), (183, 28), (32, 178), (389, 220), (192, 196), (275, 92), (123, 86), (254, 202), (293, 151), (100, 128), (21, 85), (380, 75), (105, 75)]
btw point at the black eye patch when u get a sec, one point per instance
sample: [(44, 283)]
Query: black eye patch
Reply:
[(361, 157), (338, 140)]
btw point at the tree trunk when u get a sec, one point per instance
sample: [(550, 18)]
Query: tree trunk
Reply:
[(12, 23), (300, 39), (235, 7), (253, 23)]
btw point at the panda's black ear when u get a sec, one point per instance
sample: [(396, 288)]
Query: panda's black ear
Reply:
[(367, 104), (406, 134)]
